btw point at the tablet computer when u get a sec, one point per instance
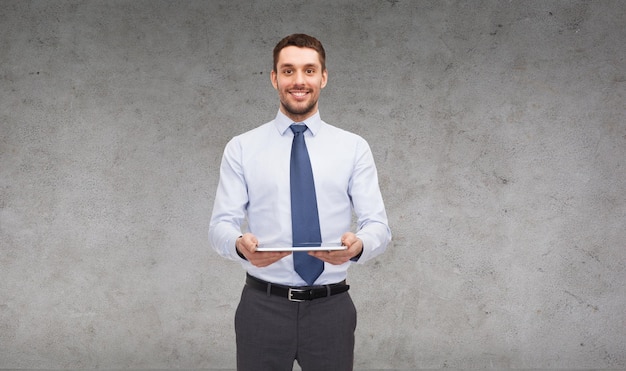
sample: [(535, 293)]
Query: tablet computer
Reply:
[(324, 246)]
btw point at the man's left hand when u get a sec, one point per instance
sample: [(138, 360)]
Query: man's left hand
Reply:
[(354, 247)]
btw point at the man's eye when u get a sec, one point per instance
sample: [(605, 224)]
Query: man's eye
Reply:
[(288, 72), (310, 71)]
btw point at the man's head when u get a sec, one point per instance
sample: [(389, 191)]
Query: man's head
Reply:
[(299, 74)]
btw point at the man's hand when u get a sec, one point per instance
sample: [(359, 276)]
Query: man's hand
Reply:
[(349, 239), (247, 244)]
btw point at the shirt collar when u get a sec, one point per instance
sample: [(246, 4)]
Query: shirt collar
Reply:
[(283, 122)]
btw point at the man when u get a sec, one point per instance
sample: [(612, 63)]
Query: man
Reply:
[(287, 313)]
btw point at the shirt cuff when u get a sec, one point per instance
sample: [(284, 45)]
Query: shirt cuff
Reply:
[(237, 250), (356, 258)]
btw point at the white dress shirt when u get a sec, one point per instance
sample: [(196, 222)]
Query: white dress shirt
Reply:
[(253, 195)]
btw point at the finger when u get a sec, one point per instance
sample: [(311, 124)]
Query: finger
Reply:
[(320, 254), (263, 259)]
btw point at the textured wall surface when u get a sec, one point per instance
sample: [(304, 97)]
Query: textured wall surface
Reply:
[(498, 127)]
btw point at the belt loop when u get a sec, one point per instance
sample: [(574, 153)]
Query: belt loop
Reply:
[(327, 290), (269, 288)]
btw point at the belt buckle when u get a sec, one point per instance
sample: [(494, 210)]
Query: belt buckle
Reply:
[(290, 295)]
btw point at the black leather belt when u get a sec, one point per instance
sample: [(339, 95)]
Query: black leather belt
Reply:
[(297, 293)]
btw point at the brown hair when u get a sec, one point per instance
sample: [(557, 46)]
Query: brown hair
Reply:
[(302, 41)]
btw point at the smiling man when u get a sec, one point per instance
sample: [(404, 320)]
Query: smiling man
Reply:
[(295, 183)]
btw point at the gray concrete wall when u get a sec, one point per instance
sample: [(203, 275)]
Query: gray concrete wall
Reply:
[(499, 131)]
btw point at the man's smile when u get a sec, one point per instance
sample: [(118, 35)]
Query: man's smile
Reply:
[(299, 94)]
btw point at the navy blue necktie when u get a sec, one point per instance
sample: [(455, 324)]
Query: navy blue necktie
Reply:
[(305, 223)]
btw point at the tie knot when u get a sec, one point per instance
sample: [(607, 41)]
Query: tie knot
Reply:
[(298, 129)]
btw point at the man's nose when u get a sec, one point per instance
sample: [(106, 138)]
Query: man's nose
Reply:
[(299, 77)]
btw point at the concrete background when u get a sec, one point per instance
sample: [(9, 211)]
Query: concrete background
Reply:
[(499, 131)]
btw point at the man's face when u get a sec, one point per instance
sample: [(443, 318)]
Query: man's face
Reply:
[(299, 79)]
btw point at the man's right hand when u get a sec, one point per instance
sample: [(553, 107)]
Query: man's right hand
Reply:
[(246, 245)]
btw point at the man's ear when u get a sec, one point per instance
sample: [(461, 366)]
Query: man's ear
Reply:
[(274, 79), (324, 78)]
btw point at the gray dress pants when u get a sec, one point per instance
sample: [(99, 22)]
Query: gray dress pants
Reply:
[(272, 332)]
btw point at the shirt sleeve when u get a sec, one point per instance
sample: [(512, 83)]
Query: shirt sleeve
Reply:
[(230, 203), (369, 208)]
